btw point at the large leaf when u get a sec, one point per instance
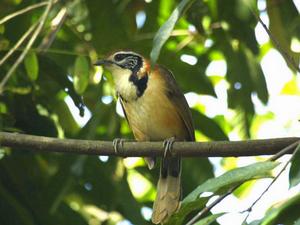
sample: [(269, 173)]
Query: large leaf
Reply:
[(283, 26), (220, 185), (81, 74), (165, 31), (286, 212), (208, 126), (230, 178)]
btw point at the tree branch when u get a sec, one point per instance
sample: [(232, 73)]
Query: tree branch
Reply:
[(136, 149)]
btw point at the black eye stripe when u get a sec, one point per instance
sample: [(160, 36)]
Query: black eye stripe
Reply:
[(120, 57), (129, 61)]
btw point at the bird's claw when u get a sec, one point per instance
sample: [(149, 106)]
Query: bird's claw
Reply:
[(168, 143), (116, 143)]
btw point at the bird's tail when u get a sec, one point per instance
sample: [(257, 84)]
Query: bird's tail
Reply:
[(168, 190)]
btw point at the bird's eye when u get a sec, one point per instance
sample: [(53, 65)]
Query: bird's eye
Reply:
[(119, 57)]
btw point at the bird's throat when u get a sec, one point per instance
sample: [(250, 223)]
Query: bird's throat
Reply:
[(140, 83), (129, 86)]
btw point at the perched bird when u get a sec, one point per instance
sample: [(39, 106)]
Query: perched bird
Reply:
[(156, 110)]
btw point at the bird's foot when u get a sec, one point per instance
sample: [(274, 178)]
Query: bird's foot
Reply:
[(168, 143), (117, 142)]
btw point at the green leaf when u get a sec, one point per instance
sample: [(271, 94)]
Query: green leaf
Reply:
[(286, 212), (208, 126), (165, 30), (231, 178), (209, 219), (294, 174), (178, 218), (81, 74), (291, 88), (32, 66), (218, 185), (257, 76), (282, 25)]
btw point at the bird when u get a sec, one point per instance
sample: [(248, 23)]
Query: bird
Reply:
[(156, 110)]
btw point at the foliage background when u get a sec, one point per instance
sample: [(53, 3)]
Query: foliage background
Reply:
[(41, 96)]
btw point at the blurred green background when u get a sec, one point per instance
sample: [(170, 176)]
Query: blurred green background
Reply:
[(236, 82)]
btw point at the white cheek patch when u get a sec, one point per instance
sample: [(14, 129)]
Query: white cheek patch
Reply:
[(123, 86)]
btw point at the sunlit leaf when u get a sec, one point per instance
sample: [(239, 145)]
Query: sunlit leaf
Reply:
[(230, 178), (245, 189), (258, 121), (81, 74), (140, 187), (32, 66), (285, 212), (208, 126), (281, 17), (19, 90), (2, 28), (291, 88), (220, 185)]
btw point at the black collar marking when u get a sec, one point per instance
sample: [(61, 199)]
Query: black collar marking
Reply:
[(141, 84)]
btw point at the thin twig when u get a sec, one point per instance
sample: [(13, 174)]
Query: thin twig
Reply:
[(286, 56), (28, 46), (231, 190), (23, 11), (284, 151), (19, 43), (185, 42), (249, 210), (50, 50), (56, 24)]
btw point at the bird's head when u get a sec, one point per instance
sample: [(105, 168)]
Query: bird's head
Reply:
[(130, 73), (123, 62)]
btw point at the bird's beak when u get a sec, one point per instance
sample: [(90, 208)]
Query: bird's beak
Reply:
[(103, 62)]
